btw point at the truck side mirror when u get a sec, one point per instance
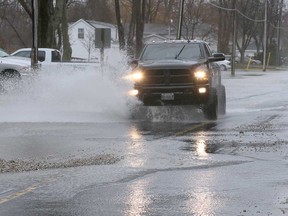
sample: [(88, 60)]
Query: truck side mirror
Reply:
[(134, 63), (217, 57)]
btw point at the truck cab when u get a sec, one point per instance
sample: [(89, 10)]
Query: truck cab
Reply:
[(45, 55)]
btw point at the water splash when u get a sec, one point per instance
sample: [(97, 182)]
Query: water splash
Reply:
[(83, 94), (69, 94)]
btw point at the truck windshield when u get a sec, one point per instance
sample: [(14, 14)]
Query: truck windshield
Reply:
[(3, 53), (168, 51)]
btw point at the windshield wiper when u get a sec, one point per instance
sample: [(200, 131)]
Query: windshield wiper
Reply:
[(180, 52)]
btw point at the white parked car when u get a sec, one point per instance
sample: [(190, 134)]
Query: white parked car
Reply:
[(224, 65), (13, 67)]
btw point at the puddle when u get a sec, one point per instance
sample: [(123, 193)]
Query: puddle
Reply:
[(201, 146)]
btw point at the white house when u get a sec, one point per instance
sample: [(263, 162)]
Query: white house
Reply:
[(154, 37), (82, 38)]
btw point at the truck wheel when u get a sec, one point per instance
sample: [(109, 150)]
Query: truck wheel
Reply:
[(210, 109), (222, 100), (223, 68), (10, 74)]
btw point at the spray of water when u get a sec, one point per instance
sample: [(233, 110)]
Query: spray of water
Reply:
[(69, 94), (98, 93)]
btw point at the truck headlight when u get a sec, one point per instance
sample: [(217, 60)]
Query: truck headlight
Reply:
[(133, 92), (137, 76), (201, 75)]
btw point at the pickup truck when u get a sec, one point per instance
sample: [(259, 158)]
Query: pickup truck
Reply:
[(50, 58), (180, 73), (13, 67), (45, 55)]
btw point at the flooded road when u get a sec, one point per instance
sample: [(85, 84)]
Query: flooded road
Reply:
[(176, 163)]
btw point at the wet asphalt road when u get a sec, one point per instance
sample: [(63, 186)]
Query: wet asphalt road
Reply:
[(236, 165)]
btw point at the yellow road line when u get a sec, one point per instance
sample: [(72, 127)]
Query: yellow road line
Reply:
[(181, 133), (27, 190), (18, 194)]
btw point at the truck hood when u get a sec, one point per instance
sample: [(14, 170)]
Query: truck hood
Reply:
[(16, 60), (171, 64)]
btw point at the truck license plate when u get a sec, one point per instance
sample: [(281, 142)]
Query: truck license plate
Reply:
[(167, 96)]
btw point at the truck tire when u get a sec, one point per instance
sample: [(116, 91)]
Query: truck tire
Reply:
[(223, 68), (222, 100), (10, 74), (210, 109)]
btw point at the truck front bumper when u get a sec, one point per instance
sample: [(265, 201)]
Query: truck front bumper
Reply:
[(177, 95)]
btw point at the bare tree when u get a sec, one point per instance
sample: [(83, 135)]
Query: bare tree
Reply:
[(52, 17), (67, 50), (140, 11), (13, 28), (89, 43), (224, 26), (152, 11), (136, 28), (247, 25), (120, 26), (131, 33), (169, 7), (192, 18)]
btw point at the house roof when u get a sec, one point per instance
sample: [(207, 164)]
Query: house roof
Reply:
[(94, 24), (78, 21), (155, 36)]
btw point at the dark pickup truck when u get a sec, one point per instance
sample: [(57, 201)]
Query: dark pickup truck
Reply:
[(180, 73)]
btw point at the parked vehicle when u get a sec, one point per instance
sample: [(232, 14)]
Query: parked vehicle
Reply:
[(51, 60), (13, 67), (224, 65), (45, 55), (180, 73)]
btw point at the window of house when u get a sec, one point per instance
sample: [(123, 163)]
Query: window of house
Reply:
[(80, 33)]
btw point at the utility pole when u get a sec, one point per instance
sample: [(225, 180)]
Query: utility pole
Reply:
[(233, 56), (180, 20), (34, 53), (278, 55), (265, 37)]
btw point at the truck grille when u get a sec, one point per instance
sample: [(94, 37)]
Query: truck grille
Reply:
[(168, 77)]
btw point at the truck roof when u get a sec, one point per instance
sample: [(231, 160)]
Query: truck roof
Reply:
[(176, 42), (28, 49)]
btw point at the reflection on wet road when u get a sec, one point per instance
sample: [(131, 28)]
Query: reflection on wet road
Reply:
[(169, 167), (150, 137), (198, 142), (138, 200), (165, 129), (176, 168)]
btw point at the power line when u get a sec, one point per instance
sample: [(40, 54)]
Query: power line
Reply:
[(217, 6), (263, 20), (229, 9), (253, 20), (276, 27)]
